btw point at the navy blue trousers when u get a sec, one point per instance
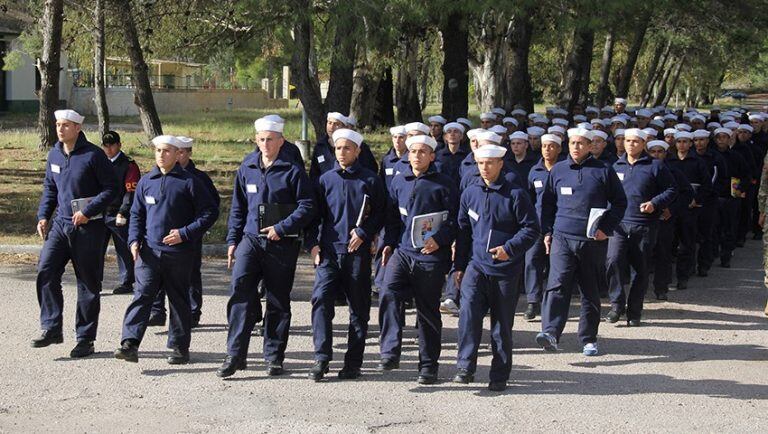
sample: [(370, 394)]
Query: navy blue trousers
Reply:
[(725, 231), (573, 264), (274, 262), (84, 247), (706, 228), (119, 237), (632, 244), (195, 286), (406, 278), (481, 293), (662, 256), (686, 229), (169, 271), (349, 275), (536, 265)]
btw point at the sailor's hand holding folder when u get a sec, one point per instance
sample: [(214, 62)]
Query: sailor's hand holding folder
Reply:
[(271, 233), (79, 218)]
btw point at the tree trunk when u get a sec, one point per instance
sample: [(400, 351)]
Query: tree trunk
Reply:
[(142, 95), (578, 62), (455, 66), (662, 94), (675, 78), (307, 85), (406, 89), (660, 57), (49, 66), (586, 74), (364, 90), (625, 75), (518, 76), (99, 85), (384, 112), (487, 68), (603, 88), (339, 95), (423, 81)]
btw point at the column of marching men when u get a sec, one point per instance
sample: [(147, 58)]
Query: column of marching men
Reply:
[(453, 220)]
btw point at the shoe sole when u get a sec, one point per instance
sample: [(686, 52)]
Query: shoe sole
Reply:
[(546, 344), (59, 340), (127, 359), (465, 380), (533, 318), (80, 356), (427, 381)]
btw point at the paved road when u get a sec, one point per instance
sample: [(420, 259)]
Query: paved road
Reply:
[(699, 364)]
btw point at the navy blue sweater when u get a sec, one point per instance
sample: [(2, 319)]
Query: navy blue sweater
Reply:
[(501, 207), (572, 190), (340, 193), (695, 170), (176, 200), (646, 180), (85, 172)]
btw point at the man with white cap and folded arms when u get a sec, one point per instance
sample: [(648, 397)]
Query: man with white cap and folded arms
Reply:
[(496, 225), (272, 202), (419, 231), (719, 174), (171, 212), (350, 212), (730, 192), (578, 188), (650, 188), (79, 185), (695, 170), (157, 318)]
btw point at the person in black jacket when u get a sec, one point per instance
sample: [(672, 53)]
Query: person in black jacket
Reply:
[(118, 212)]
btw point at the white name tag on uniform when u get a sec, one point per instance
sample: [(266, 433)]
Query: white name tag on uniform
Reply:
[(321, 158), (55, 168), (538, 184), (473, 214), (251, 188), (566, 191), (389, 171), (621, 176), (150, 200), (403, 211)]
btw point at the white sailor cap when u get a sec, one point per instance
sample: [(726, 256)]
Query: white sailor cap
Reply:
[(336, 116), (714, 125), (490, 151), (166, 139), (69, 115), (619, 132), (350, 121), (645, 113), (660, 143), (585, 125), (598, 121), (437, 119), (579, 118), (421, 140), (518, 112), (636, 132), (474, 132), (670, 131), (580, 132), (618, 120), (488, 116), (683, 135), (489, 136), (185, 142), (756, 117), (535, 131), (498, 111), (746, 127), (398, 130), (670, 117), (464, 121), (274, 118), (560, 121), (620, 101), (650, 132), (683, 127), (518, 135), (607, 109), (551, 138), (731, 125), (722, 130), (498, 129), (454, 126), (416, 126), (657, 122), (592, 109), (556, 129), (509, 120), (597, 133), (262, 124), (345, 133), (701, 134)]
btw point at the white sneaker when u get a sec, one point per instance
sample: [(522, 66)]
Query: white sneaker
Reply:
[(449, 306), (590, 349)]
